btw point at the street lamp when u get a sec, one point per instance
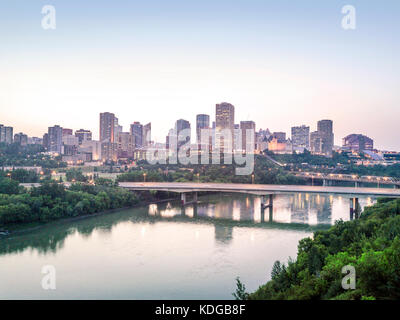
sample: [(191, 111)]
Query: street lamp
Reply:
[(144, 176), (198, 177), (252, 178)]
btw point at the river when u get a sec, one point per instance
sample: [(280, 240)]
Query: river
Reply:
[(162, 251)]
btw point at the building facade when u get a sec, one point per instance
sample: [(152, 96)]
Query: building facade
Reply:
[(55, 135), (224, 120), (301, 137), (107, 127), (358, 142), (245, 126), (83, 135)]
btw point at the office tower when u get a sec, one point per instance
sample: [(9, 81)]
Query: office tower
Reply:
[(146, 134), (244, 127), (180, 126), (83, 135), (46, 141), (21, 139), (66, 132), (325, 129), (202, 122), (358, 142), (117, 129), (6, 134), (224, 120), (107, 127), (137, 133), (301, 137), (316, 142), (55, 139), (126, 145)]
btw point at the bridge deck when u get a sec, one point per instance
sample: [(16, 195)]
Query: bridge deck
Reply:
[(259, 189)]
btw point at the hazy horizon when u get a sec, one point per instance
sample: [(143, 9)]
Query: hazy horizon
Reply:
[(281, 64)]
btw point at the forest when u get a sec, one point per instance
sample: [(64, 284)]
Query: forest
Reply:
[(370, 244)]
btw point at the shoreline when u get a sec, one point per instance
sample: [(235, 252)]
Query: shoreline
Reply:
[(39, 225)]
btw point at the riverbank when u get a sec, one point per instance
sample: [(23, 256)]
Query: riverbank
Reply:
[(20, 228)]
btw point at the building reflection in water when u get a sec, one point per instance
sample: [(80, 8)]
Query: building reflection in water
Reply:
[(301, 208)]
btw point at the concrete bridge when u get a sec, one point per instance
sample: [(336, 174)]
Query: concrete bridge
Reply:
[(261, 190), (327, 178)]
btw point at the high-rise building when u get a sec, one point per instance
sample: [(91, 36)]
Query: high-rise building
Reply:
[(358, 142), (182, 125), (224, 120), (137, 133), (107, 127), (146, 134), (6, 134), (202, 122), (83, 135), (244, 127), (301, 137), (21, 139), (321, 141), (55, 135)]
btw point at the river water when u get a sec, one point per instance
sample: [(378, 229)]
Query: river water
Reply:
[(162, 251)]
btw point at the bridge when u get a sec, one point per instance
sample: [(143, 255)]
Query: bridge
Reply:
[(262, 190), (327, 178)]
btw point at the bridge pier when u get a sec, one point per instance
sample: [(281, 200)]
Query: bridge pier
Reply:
[(356, 184), (354, 208), (184, 198), (270, 206)]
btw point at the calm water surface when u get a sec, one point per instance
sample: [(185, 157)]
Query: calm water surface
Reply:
[(162, 251)]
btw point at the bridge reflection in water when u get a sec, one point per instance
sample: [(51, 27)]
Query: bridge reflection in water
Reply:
[(301, 208)]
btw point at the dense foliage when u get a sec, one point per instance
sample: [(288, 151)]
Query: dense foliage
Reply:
[(371, 244), (30, 155), (264, 173), (311, 159), (52, 201), (378, 170)]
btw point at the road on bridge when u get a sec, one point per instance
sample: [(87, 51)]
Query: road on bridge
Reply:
[(258, 189)]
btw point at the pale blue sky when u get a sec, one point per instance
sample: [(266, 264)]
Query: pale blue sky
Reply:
[(281, 63)]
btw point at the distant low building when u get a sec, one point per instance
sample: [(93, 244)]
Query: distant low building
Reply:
[(358, 143), (21, 139)]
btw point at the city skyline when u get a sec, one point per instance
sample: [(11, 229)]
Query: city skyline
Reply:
[(279, 70)]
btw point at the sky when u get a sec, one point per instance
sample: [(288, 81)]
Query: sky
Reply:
[(280, 63)]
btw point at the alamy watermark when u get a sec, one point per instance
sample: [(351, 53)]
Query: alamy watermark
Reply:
[(349, 280), (49, 19), (224, 146), (49, 278), (349, 20)]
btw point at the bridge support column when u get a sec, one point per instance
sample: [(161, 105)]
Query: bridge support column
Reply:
[(354, 208), (324, 183), (183, 198), (356, 184), (264, 205)]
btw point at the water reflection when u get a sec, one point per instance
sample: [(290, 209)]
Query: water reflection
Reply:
[(224, 212), (165, 251), (309, 209)]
